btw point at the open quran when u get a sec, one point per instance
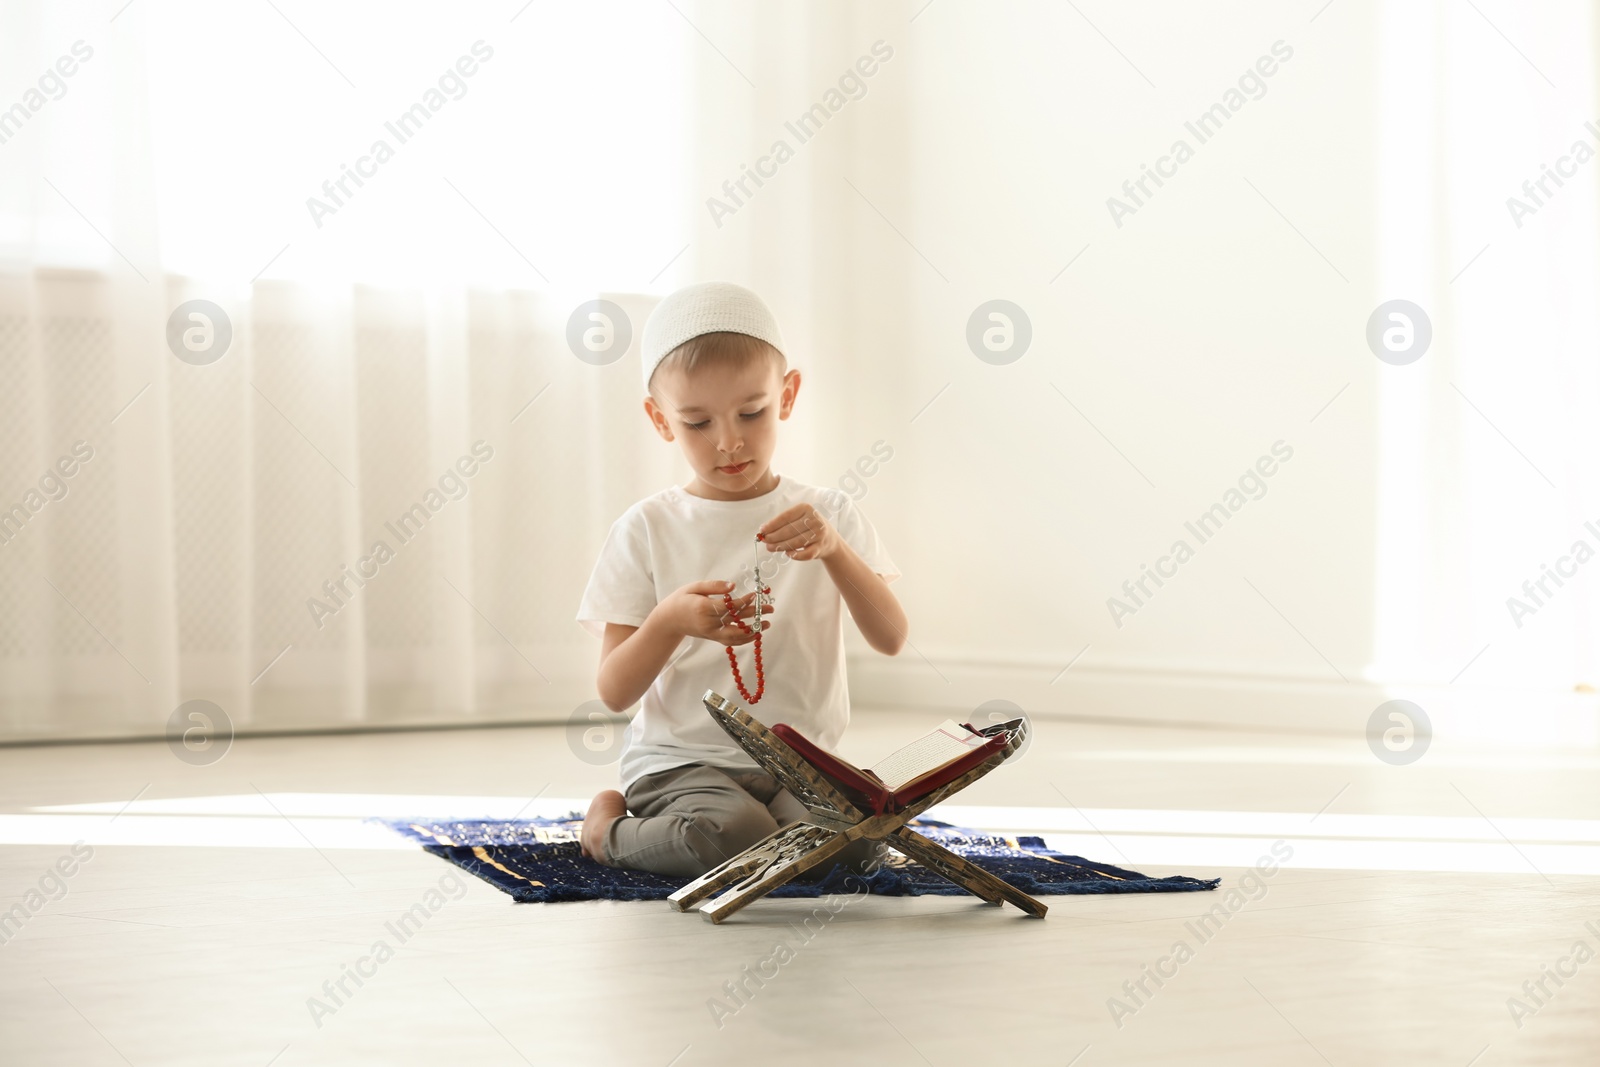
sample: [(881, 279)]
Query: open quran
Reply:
[(847, 803), (909, 772)]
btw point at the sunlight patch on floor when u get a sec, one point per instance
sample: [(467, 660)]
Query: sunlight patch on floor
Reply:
[(1129, 836)]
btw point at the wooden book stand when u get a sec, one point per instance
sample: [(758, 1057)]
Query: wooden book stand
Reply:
[(834, 822)]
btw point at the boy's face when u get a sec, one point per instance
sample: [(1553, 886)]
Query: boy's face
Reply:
[(725, 417)]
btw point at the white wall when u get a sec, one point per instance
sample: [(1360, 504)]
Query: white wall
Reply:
[(1222, 317)]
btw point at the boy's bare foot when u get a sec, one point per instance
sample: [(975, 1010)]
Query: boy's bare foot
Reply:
[(606, 808)]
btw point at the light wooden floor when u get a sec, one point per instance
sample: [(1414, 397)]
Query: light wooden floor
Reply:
[(199, 953)]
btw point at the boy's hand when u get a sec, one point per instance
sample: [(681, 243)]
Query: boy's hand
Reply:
[(801, 533), (698, 610)]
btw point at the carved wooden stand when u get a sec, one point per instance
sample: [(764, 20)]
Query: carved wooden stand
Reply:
[(834, 822)]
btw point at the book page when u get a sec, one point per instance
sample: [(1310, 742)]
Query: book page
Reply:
[(944, 745)]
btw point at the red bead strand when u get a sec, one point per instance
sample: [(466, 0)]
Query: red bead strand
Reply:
[(761, 674)]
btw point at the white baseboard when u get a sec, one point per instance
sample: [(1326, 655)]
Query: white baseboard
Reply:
[(957, 686), (1458, 714)]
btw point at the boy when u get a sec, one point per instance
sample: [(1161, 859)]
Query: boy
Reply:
[(718, 385)]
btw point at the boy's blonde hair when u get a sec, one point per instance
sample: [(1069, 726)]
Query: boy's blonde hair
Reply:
[(720, 349)]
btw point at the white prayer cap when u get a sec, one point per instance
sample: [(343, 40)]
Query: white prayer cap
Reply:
[(707, 307)]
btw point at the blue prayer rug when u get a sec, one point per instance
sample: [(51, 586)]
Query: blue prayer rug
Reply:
[(537, 861)]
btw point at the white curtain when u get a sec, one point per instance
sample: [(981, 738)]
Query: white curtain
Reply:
[(1487, 481), (204, 544), (208, 545)]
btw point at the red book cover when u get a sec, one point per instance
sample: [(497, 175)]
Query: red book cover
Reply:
[(865, 790)]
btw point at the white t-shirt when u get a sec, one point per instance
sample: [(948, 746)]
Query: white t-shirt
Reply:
[(673, 538)]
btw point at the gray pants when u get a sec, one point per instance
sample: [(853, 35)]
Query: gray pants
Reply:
[(688, 819)]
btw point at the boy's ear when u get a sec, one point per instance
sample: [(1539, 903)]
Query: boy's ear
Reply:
[(791, 389), (658, 418)]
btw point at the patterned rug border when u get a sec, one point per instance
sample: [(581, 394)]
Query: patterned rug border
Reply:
[(541, 864)]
